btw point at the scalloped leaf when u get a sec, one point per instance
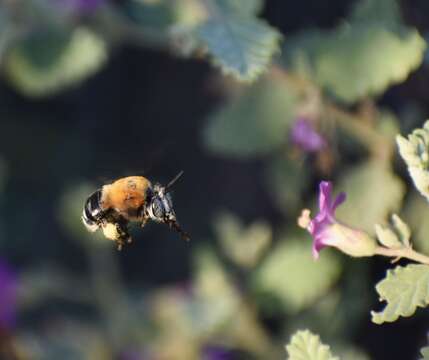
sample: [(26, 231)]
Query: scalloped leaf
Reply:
[(50, 63), (241, 46), (306, 346), (373, 192), (290, 273), (404, 289), (415, 152), (254, 124)]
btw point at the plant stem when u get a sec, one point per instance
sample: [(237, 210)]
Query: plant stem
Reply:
[(407, 253)]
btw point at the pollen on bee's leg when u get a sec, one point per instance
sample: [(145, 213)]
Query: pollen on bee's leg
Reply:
[(119, 246)]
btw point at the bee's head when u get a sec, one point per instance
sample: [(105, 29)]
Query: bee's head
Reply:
[(160, 206)]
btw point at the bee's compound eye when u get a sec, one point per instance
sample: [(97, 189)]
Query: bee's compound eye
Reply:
[(157, 208)]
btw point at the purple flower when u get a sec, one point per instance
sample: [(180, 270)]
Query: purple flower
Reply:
[(81, 6), (328, 231), (8, 296), (130, 355), (305, 137), (215, 353)]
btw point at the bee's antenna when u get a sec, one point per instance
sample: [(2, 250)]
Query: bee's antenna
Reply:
[(172, 182)]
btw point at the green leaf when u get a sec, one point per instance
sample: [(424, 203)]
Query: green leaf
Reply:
[(415, 152), (404, 289), (352, 353), (306, 346), (387, 237), (425, 353), (243, 7), (290, 273), (242, 46), (243, 245), (402, 229), (161, 15), (376, 12), (416, 213), (286, 182), (398, 236), (53, 61), (253, 124), (373, 192), (350, 61)]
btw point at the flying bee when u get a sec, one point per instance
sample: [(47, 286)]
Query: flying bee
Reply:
[(131, 198)]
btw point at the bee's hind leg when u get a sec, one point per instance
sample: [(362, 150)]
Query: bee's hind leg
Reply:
[(123, 235), (144, 221)]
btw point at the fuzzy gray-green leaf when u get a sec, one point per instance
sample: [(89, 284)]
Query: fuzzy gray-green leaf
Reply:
[(241, 46), (404, 289), (306, 346), (415, 152)]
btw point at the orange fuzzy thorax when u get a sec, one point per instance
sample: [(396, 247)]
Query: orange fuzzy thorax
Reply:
[(125, 195)]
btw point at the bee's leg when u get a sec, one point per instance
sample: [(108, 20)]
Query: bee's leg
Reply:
[(173, 224), (123, 235), (144, 221)]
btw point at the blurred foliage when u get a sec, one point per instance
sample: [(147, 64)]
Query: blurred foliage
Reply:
[(350, 61), (290, 261), (284, 170), (404, 289), (47, 62), (416, 211), (255, 123), (244, 246), (425, 353), (367, 205)]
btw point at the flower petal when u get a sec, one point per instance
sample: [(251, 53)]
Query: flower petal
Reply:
[(305, 136), (325, 191), (339, 200), (318, 245)]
